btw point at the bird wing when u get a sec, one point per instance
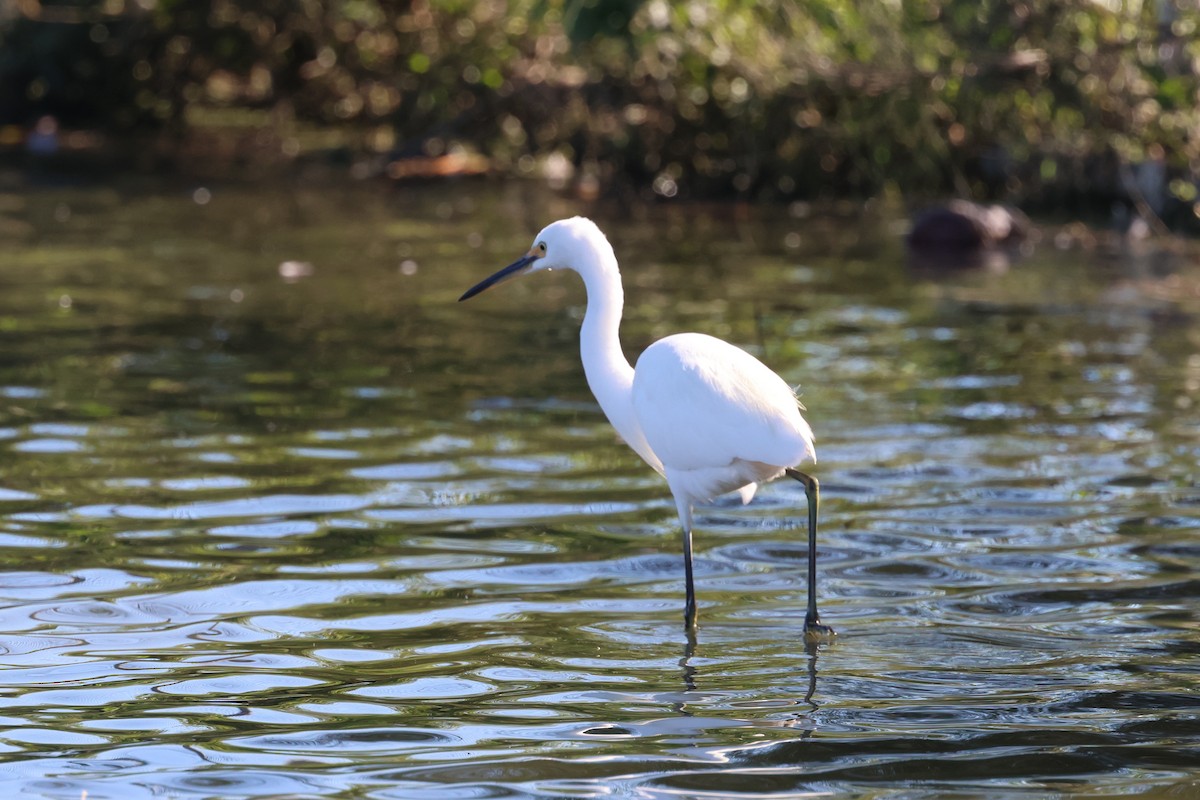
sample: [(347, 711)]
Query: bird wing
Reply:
[(703, 403)]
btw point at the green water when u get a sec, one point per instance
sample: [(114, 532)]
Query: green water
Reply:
[(314, 529)]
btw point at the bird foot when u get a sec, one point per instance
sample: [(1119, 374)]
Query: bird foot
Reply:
[(689, 617), (815, 631)]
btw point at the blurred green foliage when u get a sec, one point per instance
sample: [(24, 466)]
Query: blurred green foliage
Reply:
[(703, 97)]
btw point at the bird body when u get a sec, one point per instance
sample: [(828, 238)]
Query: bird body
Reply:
[(716, 417), (708, 416)]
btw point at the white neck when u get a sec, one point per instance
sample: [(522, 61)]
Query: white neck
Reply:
[(608, 371)]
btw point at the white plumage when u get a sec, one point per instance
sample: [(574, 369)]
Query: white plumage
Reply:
[(708, 416), (717, 418)]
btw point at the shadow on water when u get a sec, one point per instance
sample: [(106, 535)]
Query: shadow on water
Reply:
[(280, 518)]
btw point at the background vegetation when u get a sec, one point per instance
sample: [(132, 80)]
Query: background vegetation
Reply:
[(1053, 99)]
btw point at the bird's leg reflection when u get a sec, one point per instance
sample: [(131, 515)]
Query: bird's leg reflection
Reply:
[(813, 629), (685, 663), (811, 649), (688, 671)]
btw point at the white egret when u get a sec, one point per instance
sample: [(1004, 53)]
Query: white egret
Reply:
[(708, 416)]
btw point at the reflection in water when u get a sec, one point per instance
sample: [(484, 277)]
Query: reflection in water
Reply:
[(685, 663), (271, 535), (812, 648)]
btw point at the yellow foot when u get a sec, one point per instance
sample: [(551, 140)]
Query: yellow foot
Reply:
[(814, 630)]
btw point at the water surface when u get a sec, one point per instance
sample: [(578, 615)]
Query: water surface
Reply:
[(280, 518)]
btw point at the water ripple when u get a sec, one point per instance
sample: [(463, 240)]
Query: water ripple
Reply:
[(321, 542), (269, 505)]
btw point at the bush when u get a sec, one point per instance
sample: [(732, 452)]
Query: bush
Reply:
[(706, 97)]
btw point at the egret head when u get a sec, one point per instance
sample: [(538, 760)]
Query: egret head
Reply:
[(574, 244)]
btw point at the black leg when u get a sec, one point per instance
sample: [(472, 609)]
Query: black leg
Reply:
[(689, 608), (812, 490)]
